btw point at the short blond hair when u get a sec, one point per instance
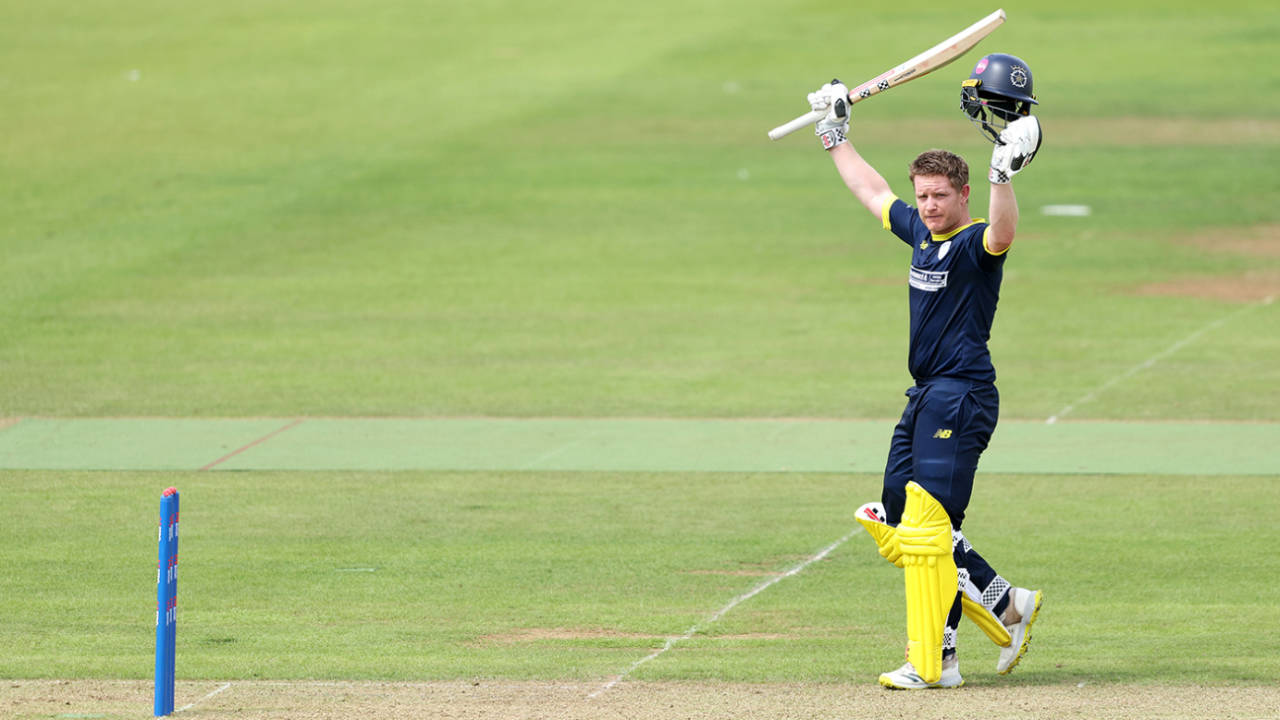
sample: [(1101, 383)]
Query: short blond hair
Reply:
[(940, 162)]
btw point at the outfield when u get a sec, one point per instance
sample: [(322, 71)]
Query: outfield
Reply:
[(507, 370)]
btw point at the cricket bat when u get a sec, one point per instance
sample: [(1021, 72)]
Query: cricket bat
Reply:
[(917, 67)]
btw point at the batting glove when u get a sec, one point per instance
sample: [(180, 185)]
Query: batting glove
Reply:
[(1018, 143), (833, 128)]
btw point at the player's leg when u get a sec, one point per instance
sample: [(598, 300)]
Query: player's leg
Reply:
[(881, 521), (984, 594), (899, 469), (925, 541), (1005, 613), (943, 432), (1018, 617), (954, 422)]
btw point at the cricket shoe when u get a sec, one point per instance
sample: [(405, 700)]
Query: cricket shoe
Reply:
[(1027, 603), (905, 677)]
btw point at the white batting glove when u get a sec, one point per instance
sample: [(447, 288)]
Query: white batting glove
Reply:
[(833, 128), (1019, 142)]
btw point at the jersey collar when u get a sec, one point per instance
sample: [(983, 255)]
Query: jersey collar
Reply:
[(948, 236)]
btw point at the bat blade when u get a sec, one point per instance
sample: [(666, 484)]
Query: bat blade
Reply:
[(940, 55)]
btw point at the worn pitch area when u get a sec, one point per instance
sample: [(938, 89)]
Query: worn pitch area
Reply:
[(25, 699)]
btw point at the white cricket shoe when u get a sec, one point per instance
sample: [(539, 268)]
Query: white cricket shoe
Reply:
[(1027, 603), (905, 677)]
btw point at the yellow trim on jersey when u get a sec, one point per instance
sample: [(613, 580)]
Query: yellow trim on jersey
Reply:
[(953, 233), (986, 247), (884, 211)]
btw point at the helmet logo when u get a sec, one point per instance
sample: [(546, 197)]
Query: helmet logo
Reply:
[(981, 67), (1018, 76)]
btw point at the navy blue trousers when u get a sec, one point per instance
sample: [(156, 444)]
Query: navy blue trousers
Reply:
[(943, 430)]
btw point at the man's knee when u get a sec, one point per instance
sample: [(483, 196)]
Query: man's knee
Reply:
[(950, 488)]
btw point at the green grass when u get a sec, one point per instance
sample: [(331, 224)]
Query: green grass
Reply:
[(394, 208), (577, 576), (398, 209)]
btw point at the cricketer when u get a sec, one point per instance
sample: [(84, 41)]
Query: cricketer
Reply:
[(951, 410)]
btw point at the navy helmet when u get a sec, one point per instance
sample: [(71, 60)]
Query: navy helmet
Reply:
[(999, 90)]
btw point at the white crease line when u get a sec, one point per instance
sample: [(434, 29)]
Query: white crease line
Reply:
[(226, 686), (671, 641), (1149, 362)]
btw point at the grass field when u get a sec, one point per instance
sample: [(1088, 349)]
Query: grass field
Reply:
[(406, 576), (411, 210)]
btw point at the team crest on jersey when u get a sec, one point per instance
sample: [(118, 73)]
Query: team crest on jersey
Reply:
[(943, 249), (926, 280)]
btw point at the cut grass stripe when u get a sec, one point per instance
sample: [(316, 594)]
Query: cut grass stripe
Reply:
[(647, 445)]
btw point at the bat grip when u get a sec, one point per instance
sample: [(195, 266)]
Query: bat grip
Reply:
[(808, 118)]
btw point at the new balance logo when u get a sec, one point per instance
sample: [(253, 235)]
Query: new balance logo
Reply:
[(942, 434)]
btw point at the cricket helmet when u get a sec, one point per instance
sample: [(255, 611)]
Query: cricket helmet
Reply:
[(999, 90)]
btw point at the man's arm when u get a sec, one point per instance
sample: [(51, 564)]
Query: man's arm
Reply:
[(1018, 144), (862, 180), (1003, 213)]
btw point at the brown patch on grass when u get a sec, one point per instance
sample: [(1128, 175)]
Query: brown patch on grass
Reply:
[(1261, 242), (984, 697), (527, 635), (8, 422), (736, 573), (1241, 289), (524, 635), (764, 568), (1246, 288), (1258, 241)]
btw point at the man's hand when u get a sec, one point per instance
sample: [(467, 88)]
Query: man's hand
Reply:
[(833, 128), (1018, 143)]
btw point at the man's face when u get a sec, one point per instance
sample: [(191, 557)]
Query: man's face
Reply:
[(941, 206)]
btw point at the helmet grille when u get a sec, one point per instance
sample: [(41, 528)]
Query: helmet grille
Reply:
[(990, 113)]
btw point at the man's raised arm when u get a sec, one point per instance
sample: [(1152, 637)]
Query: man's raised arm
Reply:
[(1018, 144), (833, 129)]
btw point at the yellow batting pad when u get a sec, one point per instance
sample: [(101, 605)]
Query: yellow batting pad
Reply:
[(884, 535), (924, 536), (983, 618)]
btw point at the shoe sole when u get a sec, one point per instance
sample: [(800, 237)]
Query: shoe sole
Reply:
[(886, 682), (1026, 635)]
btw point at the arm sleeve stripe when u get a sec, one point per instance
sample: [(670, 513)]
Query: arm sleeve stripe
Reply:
[(884, 211), (987, 247)]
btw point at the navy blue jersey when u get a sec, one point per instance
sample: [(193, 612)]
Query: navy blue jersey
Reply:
[(954, 286)]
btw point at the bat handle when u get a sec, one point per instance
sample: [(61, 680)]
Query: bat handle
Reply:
[(808, 118)]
